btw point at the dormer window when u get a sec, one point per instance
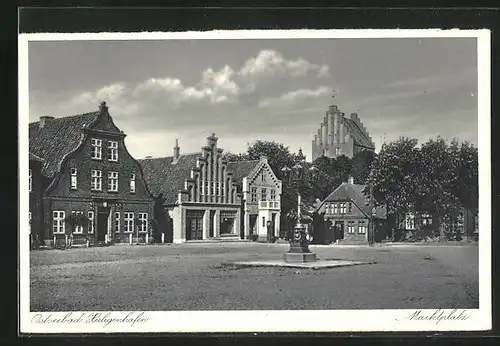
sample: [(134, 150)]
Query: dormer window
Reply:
[(73, 179), (113, 151), (96, 149)]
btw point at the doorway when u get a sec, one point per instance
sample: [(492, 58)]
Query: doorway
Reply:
[(226, 226), (253, 224), (102, 223), (339, 230)]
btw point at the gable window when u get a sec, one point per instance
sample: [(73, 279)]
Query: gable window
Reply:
[(335, 208), (113, 181), (253, 194), (132, 182), (143, 219), (78, 228), (30, 183), (263, 194), (128, 219), (343, 208), (117, 222), (58, 222), (361, 227), (350, 227), (96, 180), (73, 179), (96, 148), (113, 151), (273, 194), (91, 221), (263, 176)]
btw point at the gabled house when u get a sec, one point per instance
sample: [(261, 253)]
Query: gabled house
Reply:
[(198, 193), (261, 193), (347, 214), (88, 170)]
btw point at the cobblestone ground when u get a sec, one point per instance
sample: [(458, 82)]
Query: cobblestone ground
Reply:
[(192, 277)]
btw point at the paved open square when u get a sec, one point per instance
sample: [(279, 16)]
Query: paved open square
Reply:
[(194, 277)]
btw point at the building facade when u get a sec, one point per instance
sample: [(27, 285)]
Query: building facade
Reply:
[(35, 188), (340, 135), (89, 172), (347, 214), (198, 193), (261, 193)]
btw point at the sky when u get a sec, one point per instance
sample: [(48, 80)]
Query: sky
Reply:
[(248, 90)]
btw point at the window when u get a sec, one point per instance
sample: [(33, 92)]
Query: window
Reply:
[(113, 151), (214, 188), (128, 218), (337, 151), (217, 184), (426, 219), (350, 207), (361, 227), (207, 187), (273, 194), (143, 218), (113, 181), (350, 227), (30, 183), (91, 221), (117, 222), (343, 208), (335, 208), (132, 182), (96, 181), (78, 228), (410, 221), (263, 177), (73, 178), (58, 222), (96, 148), (263, 194), (253, 195)]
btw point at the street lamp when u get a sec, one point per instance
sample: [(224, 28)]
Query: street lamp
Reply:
[(299, 245)]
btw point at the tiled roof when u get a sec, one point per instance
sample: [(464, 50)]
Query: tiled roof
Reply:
[(354, 193), (166, 178), (57, 138), (241, 169), (359, 137)]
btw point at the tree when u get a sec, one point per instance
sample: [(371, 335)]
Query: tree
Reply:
[(361, 165), (160, 218), (278, 155), (229, 156), (395, 176)]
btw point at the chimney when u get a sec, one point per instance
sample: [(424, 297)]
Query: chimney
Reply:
[(212, 140), (177, 152), (351, 180), (102, 107), (44, 120)]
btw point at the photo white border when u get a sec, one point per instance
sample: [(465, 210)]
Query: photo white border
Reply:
[(273, 320)]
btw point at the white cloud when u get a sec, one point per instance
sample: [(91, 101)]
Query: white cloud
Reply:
[(270, 62), (292, 97)]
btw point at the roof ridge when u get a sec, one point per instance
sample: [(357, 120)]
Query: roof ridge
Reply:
[(69, 116)]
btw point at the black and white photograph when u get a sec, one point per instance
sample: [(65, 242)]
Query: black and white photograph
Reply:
[(303, 180)]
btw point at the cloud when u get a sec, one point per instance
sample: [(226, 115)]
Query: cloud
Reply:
[(289, 98), (270, 62)]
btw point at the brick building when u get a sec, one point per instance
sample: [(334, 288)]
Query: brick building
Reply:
[(35, 188), (347, 214), (199, 193), (261, 193), (89, 171), (340, 135)]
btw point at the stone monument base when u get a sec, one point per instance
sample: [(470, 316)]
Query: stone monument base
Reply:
[(299, 257)]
